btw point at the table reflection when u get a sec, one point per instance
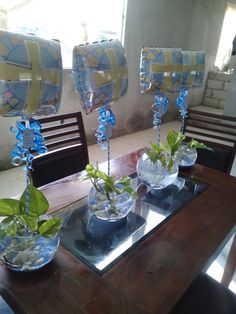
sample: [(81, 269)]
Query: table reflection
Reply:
[(100, 244)]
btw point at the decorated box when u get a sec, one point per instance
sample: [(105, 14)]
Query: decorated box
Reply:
[(160, 70), (100, 73), (193, 69), (30, 75)]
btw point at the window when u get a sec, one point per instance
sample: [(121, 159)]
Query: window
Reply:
[(227, 36), (73, 22)]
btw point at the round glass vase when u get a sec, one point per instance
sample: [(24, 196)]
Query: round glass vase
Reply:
[(113, 209), (185, 156), (154, 175), (28, 252)]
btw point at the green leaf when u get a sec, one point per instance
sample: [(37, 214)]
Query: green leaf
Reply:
[(152, 155), (174, 139), (117, 190), (135, 194), (38, 204), (171, 138), (9, 207), (170, 164), (108, 187), (31, 222), (166, 148), (2, 232), (11, 229), (7, 220), (101, 175), (124, 180), (128, 189), (195, 144), (41, 222), (89, 168), (50, 227)]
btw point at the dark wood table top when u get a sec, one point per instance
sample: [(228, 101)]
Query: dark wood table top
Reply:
[(152, 276)]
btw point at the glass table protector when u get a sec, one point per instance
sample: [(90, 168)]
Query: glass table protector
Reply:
[(101, 244)]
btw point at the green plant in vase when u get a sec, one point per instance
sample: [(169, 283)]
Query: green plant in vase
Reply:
[(28, 239), (109, 199), (186, 153), (158, 167), (166, 152)]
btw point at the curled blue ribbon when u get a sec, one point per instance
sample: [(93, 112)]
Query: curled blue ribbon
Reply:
[(181, 105), (180, 102), (159, 108), (107, 122), (20, 152)]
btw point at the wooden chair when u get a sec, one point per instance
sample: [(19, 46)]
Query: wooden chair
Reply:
[(67, 149), (217, 131), (206, 296)]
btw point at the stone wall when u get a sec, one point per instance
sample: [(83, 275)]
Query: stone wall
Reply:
[(217, 86)]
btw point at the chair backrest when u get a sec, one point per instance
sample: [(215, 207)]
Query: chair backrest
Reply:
[(67, 149), (205, 296), (217, 131)]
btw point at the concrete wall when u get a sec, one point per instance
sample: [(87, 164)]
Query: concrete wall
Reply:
[(188, 24), (216, 91)]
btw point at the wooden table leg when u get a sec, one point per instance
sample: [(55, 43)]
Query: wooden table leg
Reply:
[(230, 264)]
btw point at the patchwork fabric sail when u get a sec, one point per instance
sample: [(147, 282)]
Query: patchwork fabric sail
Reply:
[(30, 75), (160, 70), (100, 73), (193, 69)]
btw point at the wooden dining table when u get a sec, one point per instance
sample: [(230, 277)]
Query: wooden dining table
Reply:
[(152, 276)]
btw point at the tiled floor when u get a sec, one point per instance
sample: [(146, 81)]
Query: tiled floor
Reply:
[(12, 182)]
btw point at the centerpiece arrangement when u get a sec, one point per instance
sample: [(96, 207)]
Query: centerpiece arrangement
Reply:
[(101, 78), (31, 84), (186, 154), (159, 166), (162, 71), (28, 240), (109, 199)]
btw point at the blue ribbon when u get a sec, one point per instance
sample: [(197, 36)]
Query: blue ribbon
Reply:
[(107, 122), (24, 146), (159, 108), (20, 152), (181, 105)]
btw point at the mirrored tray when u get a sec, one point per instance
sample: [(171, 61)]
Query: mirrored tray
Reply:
[(100, 244)]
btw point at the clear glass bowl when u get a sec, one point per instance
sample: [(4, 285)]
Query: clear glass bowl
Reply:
[(111, 210), (186, 157), (154, 175), (29, 252)]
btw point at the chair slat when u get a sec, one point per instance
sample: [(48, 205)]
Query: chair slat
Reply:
[(211, 115), (62, 142), (218, 131), (58, 127), (61, 117), (212, 122), (221, 138), (61, 134), (67, 148)]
